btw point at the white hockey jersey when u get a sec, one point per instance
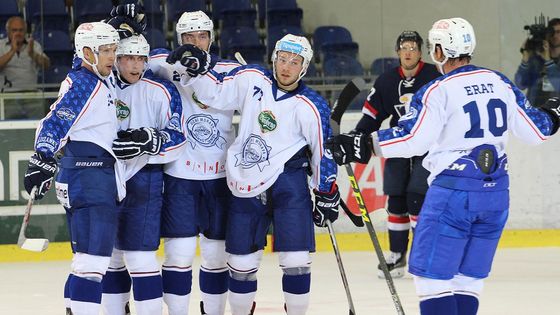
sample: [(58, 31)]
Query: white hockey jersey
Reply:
[(459, 111), (273, 127), (84, 111), (209, 131), (152, 102)]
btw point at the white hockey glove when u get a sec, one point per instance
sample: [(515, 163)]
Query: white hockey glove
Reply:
[(135, 142)]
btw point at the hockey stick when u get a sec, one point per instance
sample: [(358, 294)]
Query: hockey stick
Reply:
[(32, 244), (356, 219), (240, 58), (349, 92), (341, 267)]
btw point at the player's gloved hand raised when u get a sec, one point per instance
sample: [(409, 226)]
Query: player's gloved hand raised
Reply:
[(326, 206), (40, 172), (132, 11), (196, 60), (135, 142), (552, 108), (351, 147), (125, 26)]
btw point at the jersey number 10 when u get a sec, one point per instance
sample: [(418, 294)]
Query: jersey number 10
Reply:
[(494, 107)]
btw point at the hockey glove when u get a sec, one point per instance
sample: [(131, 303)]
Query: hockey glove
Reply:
[(326, 206), (351, 147), (134, 12), (125, 26), (196, 60), (40, 172), (552, 108), (135, 142)]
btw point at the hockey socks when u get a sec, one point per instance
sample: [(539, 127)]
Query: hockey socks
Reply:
[(67, 292), (147, 290), (439, 306), (214, 287), (242, 292), (116, 291), (177, 290), (466, 304), (296, 293), (85, 296), (398, 227)]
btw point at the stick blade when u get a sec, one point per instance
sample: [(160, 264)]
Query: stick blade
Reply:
[(35, 244), (348, 93), (356, 219)]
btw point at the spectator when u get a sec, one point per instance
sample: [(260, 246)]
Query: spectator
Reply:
[(539, 71), (20, 58), (20, 61)]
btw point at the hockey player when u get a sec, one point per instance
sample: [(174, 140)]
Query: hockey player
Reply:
[(404, 179), (281, 133), (463, 119), (196, 197), (81, 127), (148, 108)]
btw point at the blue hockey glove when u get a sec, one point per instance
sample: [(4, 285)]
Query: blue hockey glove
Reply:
[(326, 206), (40, 172), (196, 60), (552, 108), (135, 142), (351, 147)]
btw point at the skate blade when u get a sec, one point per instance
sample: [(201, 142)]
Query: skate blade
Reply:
[(395, 273)]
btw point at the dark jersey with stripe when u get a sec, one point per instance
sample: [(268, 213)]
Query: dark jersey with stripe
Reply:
[(391, 94)]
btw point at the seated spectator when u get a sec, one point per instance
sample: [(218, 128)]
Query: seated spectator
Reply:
[(21, 59)]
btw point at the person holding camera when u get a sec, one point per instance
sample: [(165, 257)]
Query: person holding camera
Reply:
[(539, 71)]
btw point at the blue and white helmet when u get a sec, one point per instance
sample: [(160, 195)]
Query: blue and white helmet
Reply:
[(135, 45), (298, 45), (455, 36)]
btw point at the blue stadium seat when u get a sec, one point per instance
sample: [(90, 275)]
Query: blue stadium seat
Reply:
[(380, 65), (340, 69), (8, 9), (56, 73), (91, 11), (219, 6), (242, 17), (245, 40), (56, 45), (177, 7), (264, 5), (332, 41), (277, 32), (156, 38), (284, 17), (52, 16)]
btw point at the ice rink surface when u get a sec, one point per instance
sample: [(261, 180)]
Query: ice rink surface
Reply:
[(523, 281)]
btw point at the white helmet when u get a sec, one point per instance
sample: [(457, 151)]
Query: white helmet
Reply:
[(455, 36), (136, 45), (192, 22), (94, 35), (298, 45)]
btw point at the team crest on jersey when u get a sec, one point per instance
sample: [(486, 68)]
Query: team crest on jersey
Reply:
[(65, 114), (123, 111), (203, 130), (404, 105), (198, 102), (267, 121), (175, 123), (254, 151)]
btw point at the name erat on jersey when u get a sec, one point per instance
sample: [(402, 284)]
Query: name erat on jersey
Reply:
[(483, 119), (209, 131), (84, 111), (274, 126), (152, 102)]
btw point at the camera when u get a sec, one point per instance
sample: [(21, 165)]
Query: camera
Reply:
[(538, 32)]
